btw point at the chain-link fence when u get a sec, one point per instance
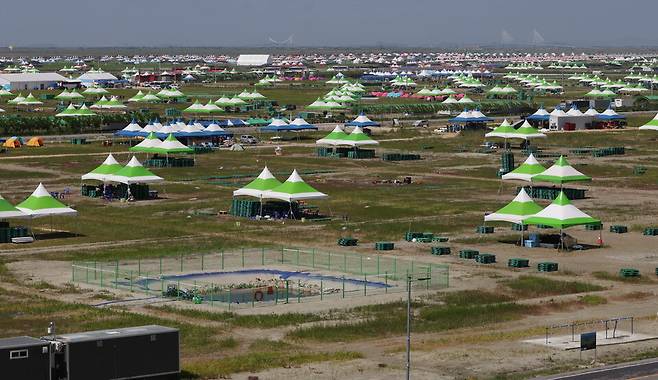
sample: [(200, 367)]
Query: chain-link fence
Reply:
[(261, 276)]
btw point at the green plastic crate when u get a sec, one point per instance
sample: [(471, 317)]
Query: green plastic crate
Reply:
[(384, 246), (629, 272), (469, 254), (651, 231), (518, 263), (547, 267), (618, 229), (440, 251), (485, 258), (348, 242)]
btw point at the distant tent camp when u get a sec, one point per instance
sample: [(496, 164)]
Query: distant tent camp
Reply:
[(35, 142), (41, 203)]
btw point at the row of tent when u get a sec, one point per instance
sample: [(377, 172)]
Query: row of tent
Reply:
[(111, 171), (17, 142), (176, 128), (608, 115), (266, 186), (559, 214), (338, 137)]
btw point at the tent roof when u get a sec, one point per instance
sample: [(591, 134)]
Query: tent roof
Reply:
[(561, 172), (41, 203), (256, 188), (561, 214), (294, 189), (514, 212)]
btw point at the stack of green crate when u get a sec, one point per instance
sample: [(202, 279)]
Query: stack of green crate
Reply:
[(651, 231), (485, 258), (518, 263), (594, 227), (484, 229), (506, 162), (7, 233), (618, 229), (322, 151), (423, 237), (384, 246), (469, 254), (440, 239), (629, 272), (244, 208), (400, 157), (519, 227), (440, 251), (550, 193), (613, 151), (656, 271), (361, 153), (639, 170), (547, 267), (348, 242)]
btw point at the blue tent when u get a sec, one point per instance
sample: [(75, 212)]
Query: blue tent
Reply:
[(232, 123), (362, 121), (289, 127), (470, 117), (610, 114), (540, 115)]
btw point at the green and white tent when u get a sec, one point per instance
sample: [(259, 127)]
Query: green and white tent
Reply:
[(651, 124), (41, 203), (560, 173), (504, 130), (357, 138), (30, 100), (8, 211), (102, 173), (172, 145), (516, 211), (294, 189), (64, 95), (150, 144), (4, 92), (19, 98), (527, 131), (334, 138), (138, 97), (524, 172), (196, 107), (211, 107), (95, 91), (134, 172), (561, 214), (257, 188), (149, 98)]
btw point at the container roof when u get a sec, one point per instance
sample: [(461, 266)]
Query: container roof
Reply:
[(114, 333), (21, 342)]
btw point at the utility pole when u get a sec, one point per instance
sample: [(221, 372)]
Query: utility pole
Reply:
[(410, 281)]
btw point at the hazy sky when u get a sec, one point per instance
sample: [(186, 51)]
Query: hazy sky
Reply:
[(325, 22)]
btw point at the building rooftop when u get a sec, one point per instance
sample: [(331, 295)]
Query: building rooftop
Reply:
[(21, 342), (114, 333)]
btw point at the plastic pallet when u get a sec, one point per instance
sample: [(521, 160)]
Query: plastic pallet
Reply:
[(618, 229), (440, 251), (348, 242), (384, 246), (651, 231), (547, 267), (518, 263), (485, 258), (468, 254), (629, 272)]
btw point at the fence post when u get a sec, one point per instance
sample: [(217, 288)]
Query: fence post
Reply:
[(386, 282), (276, 293), (299, 291), (361, 264), (222, 259), (429, 276), (229, 298), (116, 275), (202, 256), (131, 281), (139, 267), (243, 257), (365, 285), (73, 272), (160, 264), (288, 287), (343, 286), (329, 262), (212, 293), (321, 290)]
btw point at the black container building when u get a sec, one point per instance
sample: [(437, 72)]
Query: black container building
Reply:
[(24, 358), (145, 352)]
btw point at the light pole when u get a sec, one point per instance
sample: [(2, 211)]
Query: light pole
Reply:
[(410, 280)]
